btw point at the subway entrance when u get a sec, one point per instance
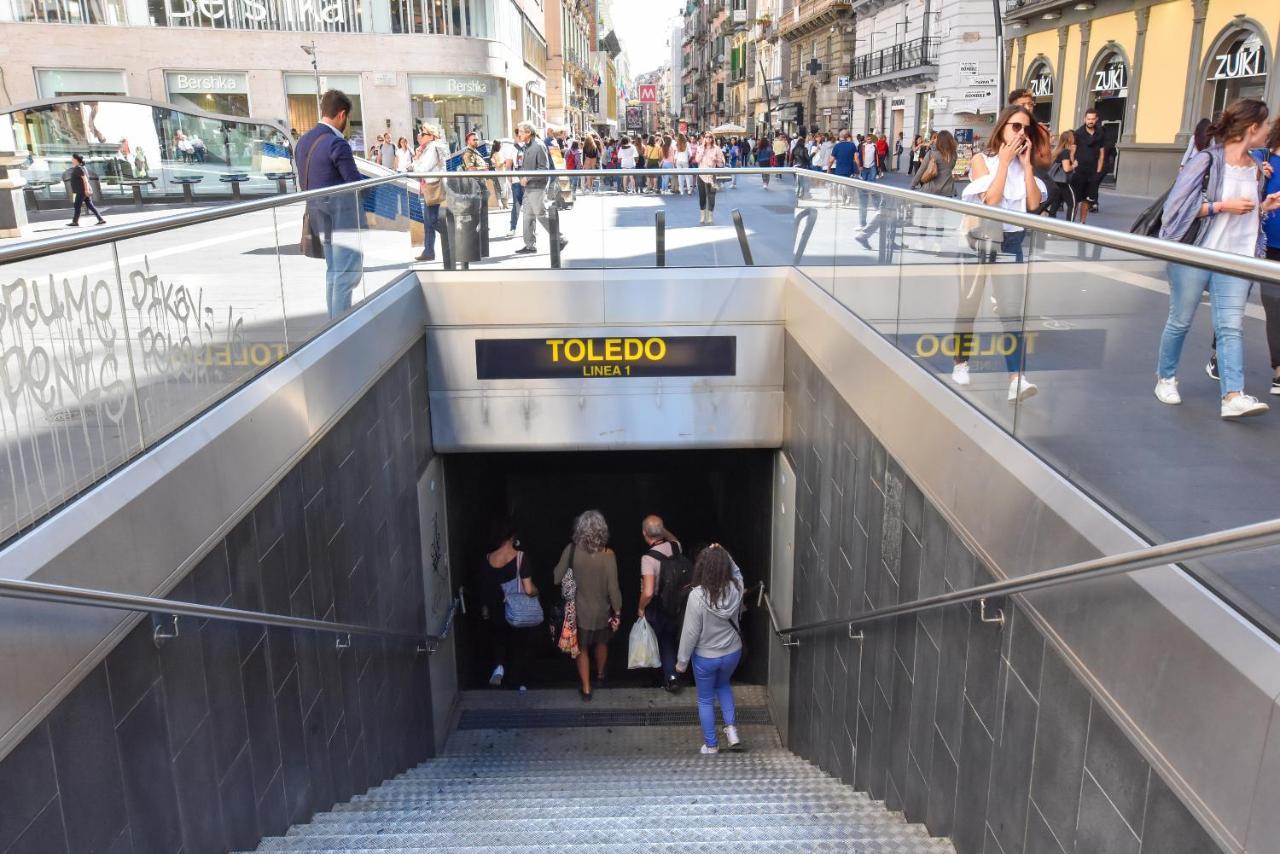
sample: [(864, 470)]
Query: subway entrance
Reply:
[(703, 496)]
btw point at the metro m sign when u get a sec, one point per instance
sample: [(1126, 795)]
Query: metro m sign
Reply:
[(648, 93)]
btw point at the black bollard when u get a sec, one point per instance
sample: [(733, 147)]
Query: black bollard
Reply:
[(742, 238), (554, 216), (660, 237)]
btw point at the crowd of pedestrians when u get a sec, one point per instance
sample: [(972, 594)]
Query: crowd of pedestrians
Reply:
[(1227, 188), (693, 606)]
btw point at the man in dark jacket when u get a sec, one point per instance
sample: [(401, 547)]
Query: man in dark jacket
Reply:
[(323, 159)]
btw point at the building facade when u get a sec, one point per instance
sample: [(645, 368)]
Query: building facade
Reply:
[(1152, 70), (922, 66), (573, 97), (465, 64), (820, 40)]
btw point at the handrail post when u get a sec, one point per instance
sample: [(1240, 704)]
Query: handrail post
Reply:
[(660, 238), (742, 238), (553, 216)]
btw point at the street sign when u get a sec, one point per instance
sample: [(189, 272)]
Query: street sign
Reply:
[(938, 102), (826, 111), (978, 94), (968, 66), (648, 93), (984, 80), (843, 83)]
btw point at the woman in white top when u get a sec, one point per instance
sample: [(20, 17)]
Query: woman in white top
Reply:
[(684, 155), (627, 161), (432, 156), (1003, 177), (404, 155), (1219, 193)]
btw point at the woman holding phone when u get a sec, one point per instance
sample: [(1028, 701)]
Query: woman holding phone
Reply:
[(1003, 176)]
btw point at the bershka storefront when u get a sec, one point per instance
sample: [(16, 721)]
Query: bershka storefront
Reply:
[(459, 105), (222, 92)]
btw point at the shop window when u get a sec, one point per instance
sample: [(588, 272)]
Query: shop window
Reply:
[(1039, 81), (1237, 69)]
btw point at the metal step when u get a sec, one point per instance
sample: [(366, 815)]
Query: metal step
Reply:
[(585, 717), (475, 816), (816, 846), (602, 833)]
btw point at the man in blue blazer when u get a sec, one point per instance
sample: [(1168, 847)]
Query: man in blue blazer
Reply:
[(323, 159)]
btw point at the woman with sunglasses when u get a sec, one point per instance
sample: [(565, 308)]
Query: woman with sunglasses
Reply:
[(1003, 176)]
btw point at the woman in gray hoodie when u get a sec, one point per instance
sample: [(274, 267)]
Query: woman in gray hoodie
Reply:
[(712, 640)]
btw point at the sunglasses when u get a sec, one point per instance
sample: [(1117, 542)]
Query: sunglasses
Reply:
[(1018, 126)]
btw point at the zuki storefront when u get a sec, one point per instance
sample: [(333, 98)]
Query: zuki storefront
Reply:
[(1152, 70)]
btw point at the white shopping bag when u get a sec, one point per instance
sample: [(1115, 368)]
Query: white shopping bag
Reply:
[(642, 651)]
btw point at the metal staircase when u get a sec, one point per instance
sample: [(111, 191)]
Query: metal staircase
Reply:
[(600, 786)]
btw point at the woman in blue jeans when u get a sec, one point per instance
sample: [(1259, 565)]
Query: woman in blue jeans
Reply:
[(712, 641), (1220, 187)]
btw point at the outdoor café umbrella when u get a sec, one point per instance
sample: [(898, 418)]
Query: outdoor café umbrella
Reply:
[(727, 129)]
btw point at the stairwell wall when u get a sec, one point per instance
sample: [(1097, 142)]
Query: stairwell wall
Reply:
[(982, 732), (229, 733)]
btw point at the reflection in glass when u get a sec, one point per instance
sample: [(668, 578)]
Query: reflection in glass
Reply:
[(152, 146)]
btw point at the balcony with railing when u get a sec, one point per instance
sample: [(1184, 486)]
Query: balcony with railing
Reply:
[(1022, 9), (915, 59)]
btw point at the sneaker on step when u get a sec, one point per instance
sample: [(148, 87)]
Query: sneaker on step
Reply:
[(1275, 385), (1021, 389), (1167, 391), (960, 373), (1243, 405), (708, 750), (526, 250), (495, 678), (1211, 368), (731, 736)]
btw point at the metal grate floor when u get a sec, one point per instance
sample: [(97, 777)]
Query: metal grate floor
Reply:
[(472, 719)]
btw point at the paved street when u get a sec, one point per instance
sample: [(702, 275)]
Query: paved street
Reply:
[(200, 311)]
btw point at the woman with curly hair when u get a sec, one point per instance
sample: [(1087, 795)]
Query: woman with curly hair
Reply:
[(596, 601), (712, 640)]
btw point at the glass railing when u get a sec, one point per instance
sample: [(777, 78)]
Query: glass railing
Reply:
[(1052, 331), (114, 338)]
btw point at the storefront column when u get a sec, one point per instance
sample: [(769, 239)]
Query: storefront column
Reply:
[(1082, 84), (1020, 44), (1199, 11), (1142, 15), (1059, 82)]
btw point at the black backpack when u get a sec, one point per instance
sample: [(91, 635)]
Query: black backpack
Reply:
[(674, 581)]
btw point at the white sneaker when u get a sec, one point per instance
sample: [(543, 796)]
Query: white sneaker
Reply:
[(731, 736), (495, 678), (1021, 388), (509, 235), (960, 373), (1167, 391), (1242, 405), (709, 751)]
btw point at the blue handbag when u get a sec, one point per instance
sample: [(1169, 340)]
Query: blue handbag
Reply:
[(521, 610)]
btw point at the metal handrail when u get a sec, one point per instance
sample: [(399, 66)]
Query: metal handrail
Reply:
[(1163, 250), (35, 591), (1244, 538)]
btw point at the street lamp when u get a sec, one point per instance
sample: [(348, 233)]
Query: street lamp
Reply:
[(310, 50)]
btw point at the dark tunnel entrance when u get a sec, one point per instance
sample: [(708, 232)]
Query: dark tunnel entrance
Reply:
[(703, 496)]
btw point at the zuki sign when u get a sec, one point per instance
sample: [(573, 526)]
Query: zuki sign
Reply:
[(576, 358), (1245, 61), (1111, 78)]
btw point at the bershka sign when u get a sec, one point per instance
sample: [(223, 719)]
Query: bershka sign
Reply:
[(648, 93), (467, 86), (632, 356), (188, 81), (301, 14)]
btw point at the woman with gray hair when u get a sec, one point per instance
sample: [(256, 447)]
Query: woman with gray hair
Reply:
[(597, 600)]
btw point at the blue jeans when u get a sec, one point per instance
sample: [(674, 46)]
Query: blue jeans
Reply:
[(430, 225), (1227, 297), (712, 676), (342, 268), (868, 173), (517, 199), (668, 639)]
